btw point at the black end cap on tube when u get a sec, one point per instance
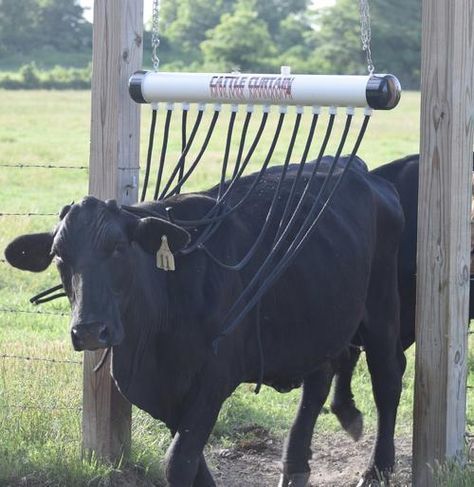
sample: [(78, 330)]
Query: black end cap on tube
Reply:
[(383, 91), (135, 86)]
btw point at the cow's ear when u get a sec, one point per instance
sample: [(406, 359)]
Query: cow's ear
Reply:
[(148, 233), (30, 252)]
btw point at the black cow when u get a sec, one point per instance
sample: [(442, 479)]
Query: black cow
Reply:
[(161, 325), (403, 174)]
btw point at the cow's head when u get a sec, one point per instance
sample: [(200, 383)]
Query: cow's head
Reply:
[(95, 246)]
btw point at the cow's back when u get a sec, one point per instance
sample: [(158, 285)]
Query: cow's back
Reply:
[(315, 308)]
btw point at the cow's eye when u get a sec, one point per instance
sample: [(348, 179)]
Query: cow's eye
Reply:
[(120, 248)]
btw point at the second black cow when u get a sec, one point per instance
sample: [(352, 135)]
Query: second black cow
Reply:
[(403, 174)]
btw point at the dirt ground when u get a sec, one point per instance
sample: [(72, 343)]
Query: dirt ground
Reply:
[(337, 462)]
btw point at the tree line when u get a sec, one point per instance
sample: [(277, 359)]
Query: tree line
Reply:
[(247, 35)]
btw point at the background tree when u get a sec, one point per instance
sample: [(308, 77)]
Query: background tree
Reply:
[(396, 38), (27, 25), (184, 25), (191, 31), (221, 34), (396, 32), (241, 40), (17, 25), (62, 26)]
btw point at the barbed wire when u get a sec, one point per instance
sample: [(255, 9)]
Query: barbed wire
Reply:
[(42, 408), (38, 312), (41, 359), (42, 166), (31, 213)]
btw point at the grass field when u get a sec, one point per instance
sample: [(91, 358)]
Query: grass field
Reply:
[(40, 401)]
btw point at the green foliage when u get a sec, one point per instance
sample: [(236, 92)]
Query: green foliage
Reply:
[(454, 475), (199, 35), (30, 77), (396, 32), (231, 33), (240, 41), (26, 24), (337, 40), (396, 39)]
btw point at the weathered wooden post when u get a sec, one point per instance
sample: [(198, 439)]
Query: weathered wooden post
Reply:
[(114, 156), (447, 108)]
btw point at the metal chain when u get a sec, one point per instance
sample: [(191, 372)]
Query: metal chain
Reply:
[(366, 33), (155, 35)]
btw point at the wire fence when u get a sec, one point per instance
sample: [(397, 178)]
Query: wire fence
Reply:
[(40, 359), (33, 312), (12, 399), (53, 361), (42, 166), (28, 214)]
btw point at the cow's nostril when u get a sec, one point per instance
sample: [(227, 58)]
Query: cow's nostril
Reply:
[(76, 339), (104, 334)]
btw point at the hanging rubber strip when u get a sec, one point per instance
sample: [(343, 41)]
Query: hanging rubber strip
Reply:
[(45, 296), (216, 211), (307, 221), (243, 137), (206, 235), (184, 124), (304, 157), (208, 217), (284, 217), (228, 143), (217, 220), (164, 147), (268, 220), (294, 248), (258, 329), (195, 163), (151, 139), (182, 157)]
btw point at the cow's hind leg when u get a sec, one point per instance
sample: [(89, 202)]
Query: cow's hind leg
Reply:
[(386, 370), (386, 363), (342, 404), (297, 449)]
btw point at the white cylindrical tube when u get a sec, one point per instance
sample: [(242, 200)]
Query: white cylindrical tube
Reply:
[(377, 91)]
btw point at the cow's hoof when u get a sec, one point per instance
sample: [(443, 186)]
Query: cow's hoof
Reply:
[(294, 480), (375, 479), (351, 419), (363, 482)]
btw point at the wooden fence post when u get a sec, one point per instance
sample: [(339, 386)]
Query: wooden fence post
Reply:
[(114, 156), (443, 235)]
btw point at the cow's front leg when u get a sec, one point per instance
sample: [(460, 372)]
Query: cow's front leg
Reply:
[(203, 476), (186, 466), (297, 451)]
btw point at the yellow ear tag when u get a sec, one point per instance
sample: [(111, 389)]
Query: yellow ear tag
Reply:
[(164, 257)]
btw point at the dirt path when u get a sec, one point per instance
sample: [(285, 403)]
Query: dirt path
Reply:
[(337, 462)]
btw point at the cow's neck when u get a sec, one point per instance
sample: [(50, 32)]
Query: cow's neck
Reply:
[(164, 347)]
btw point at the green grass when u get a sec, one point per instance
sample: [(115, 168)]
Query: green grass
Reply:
[(44, 444)]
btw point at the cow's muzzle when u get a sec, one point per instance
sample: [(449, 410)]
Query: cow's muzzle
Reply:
[(91, 336)]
